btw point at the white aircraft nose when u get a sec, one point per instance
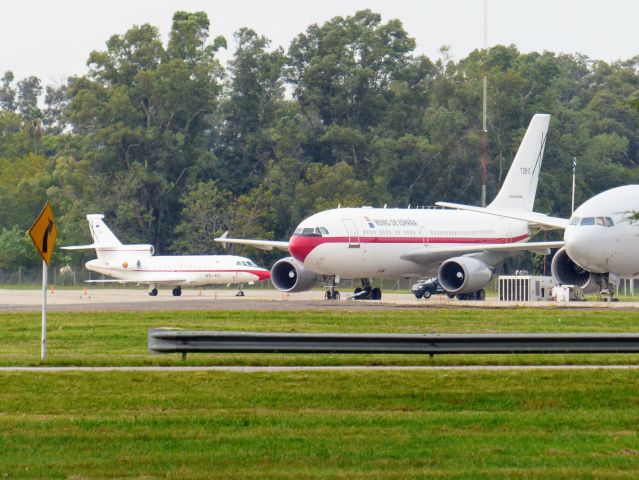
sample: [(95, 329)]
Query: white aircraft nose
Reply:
[(578, 244)]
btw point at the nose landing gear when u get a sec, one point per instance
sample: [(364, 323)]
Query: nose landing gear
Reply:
[(331, 293)]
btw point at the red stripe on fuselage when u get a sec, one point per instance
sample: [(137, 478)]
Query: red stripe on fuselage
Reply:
[(301, 246)]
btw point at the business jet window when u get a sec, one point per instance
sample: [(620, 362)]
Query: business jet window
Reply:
[(575, 220), (588, 221)]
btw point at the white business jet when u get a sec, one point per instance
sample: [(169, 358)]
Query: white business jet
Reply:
[(460, 247), (136, 264)]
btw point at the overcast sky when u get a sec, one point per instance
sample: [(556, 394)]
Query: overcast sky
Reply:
[(52, 39)]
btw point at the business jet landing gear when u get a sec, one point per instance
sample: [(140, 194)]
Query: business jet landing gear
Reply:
[(240, 292), (331, 293), (367, 292), (153, 292), (177, 291)]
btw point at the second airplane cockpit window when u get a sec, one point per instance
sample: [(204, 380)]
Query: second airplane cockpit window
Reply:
[(601, 221)]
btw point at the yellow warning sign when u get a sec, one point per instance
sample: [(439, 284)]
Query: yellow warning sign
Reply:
[(43, 233)]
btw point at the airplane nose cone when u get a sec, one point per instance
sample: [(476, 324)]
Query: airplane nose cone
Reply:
[(578, 245), (300, 246)]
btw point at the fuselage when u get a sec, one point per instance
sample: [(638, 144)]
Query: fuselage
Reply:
[(377, 242), (601, 238), (180, 270)]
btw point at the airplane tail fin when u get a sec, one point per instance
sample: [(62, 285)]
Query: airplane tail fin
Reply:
[(520, 186), (102, 235), (104, 239), (106, 244)]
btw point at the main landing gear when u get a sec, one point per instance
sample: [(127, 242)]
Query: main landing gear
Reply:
[(367, 292), (177, 291), (153, 292), (478, 295)]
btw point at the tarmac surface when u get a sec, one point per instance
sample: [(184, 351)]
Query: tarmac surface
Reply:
[(122, 299), (316, 368)]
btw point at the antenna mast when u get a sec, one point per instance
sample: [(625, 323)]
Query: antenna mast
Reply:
[(484, 160)]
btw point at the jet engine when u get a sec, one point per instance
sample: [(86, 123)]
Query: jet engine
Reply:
[(128, 252), (463, 274), (140, 250), (566, 272), (289, 275)]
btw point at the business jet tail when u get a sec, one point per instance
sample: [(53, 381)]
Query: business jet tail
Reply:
[(106, 244)]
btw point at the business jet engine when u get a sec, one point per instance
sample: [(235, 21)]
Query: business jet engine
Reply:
[(566, 272), (463, 275), (141, 250), (289, 275)]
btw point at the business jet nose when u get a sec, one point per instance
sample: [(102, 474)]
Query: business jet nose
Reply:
[(263, 275), (578, 244)]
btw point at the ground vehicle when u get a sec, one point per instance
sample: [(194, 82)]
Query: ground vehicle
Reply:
[(426, 288)]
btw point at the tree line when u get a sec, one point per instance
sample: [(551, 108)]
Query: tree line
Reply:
[(175, 149)]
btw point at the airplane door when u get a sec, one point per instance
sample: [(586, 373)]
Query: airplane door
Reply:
[(423, 232), (351, 231)]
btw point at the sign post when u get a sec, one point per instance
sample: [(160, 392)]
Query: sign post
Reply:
[(43, 234)]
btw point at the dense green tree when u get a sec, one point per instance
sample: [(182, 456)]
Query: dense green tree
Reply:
[(205, 216), (342, 72), (29, 89), (146, 108), (250, 111), (7, 93)]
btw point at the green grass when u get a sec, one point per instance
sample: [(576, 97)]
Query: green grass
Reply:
[(99, 338), (447, 424)]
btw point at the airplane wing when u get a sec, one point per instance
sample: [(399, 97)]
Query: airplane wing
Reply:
[(431, 253), (79, 247), (537, 220), (261, 244)]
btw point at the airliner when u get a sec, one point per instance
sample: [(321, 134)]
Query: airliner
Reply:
[(460, 247), (601, 240), (136, 264)]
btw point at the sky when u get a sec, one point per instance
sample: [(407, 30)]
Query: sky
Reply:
[(52, 39)]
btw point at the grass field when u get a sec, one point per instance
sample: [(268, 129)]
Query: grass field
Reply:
[(347, 424), (534, 424), (121, 338)]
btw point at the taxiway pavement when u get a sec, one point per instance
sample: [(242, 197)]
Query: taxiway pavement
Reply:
[(122, 299)]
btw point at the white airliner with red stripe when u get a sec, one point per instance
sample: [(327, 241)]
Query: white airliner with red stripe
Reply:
[(136, 264), (460, 247)]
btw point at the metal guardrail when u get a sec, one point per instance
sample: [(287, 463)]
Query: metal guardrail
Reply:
[(183, 341)]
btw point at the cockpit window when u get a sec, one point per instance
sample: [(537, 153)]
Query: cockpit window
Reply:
[(575, 220), (600, 221), (609, 222), (588, 221), (311, 231)]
